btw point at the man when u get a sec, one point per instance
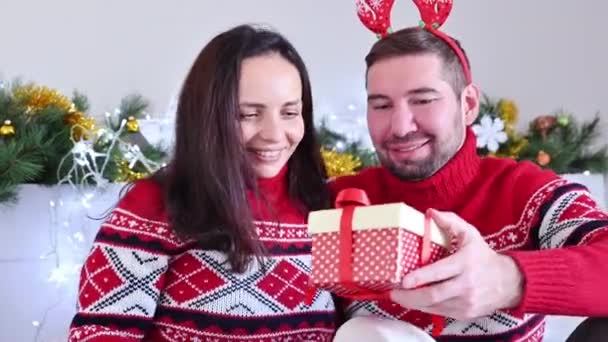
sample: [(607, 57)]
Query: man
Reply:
[(528, 243)]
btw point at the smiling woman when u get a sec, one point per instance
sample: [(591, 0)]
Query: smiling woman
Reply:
[(218, 239)]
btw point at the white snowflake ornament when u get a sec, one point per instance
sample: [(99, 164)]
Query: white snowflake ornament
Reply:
[(490, 133)]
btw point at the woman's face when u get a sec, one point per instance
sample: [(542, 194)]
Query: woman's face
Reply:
[(270, 104)]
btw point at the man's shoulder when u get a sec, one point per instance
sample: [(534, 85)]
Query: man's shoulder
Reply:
[(519, 182), (517, 172)]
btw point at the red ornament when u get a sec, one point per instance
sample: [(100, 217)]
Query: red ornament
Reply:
[(434, 12), (376, 15)]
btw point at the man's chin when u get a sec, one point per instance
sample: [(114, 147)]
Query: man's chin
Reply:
[(410, 170)]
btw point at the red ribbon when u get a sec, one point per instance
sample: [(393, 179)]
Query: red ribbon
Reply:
[(425, 256), (348, 200)]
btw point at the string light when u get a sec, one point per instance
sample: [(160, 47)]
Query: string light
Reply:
[(68, 243)]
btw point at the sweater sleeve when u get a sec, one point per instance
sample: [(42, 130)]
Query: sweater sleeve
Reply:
[(567, 274), (122, 277)]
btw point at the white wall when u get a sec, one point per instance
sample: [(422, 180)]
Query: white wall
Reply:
[(109, 48)]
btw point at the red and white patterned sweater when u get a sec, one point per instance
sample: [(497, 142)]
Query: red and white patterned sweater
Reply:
[(141, 283), (552, 228)]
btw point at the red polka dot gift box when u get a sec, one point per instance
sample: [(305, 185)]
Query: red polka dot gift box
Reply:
[(362, 251)]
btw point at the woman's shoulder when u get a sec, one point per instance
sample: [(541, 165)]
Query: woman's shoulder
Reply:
[(144, 198), (142, 212)]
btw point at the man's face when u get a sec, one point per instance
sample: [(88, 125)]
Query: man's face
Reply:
[(415, 120)]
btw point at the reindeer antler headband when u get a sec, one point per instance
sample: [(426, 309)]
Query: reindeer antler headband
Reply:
[(376, 16)]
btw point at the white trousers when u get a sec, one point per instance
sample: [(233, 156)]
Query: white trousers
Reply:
[(376, 329)]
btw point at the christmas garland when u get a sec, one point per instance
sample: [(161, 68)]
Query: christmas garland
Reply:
[(48, 138), (557, 141)]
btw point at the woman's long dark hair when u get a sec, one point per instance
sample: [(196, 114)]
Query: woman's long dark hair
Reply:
[(205, 184)]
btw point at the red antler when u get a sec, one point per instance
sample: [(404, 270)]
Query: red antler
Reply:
[(434, 12), (376, 15)]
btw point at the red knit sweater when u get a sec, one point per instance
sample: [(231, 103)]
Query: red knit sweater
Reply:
[(141, 283), (552, 228)]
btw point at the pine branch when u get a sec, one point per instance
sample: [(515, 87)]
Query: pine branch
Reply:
[(133, 105), (80, 101), (8, 194), (596, 162), (588, 133), (328, 138), (5, 101), (154, 153), (21, 161), (112, 171)]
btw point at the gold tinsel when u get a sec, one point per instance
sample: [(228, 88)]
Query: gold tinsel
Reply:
[(125, 174), (339, 164), (132, 124), (84, 124), (516, 147), (7, 130), (36, 98), (509, 113)]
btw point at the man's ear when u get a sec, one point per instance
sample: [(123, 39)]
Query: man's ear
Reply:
[(469, 102)]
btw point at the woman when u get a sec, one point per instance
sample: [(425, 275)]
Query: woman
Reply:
[(215, 246)]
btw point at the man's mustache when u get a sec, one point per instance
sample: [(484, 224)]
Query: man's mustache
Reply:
[(411, 137)]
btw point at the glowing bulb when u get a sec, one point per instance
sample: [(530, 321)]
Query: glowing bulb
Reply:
[(57, 276), (78, 236), (36, 323), (587, 173)]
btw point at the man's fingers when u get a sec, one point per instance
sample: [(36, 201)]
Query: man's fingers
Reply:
[(453, 226), (440, 270)]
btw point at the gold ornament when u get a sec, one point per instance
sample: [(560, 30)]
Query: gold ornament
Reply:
[(543, 158), (7, 130), (36, 98), (132, 124), (126, 174), (339, 164), (509, 113)]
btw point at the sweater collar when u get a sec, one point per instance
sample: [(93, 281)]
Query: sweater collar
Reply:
[(273, 193)]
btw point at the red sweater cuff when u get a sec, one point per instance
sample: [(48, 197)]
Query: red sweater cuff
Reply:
[(548, 277)]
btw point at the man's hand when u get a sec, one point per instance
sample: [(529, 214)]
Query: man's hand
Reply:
[(475, 281)]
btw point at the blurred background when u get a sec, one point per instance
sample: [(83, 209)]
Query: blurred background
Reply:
[(541, 65)]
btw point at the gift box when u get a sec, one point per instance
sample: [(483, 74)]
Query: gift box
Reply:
[(362, 251)]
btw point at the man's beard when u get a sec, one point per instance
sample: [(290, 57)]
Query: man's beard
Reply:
[(416, 170)]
